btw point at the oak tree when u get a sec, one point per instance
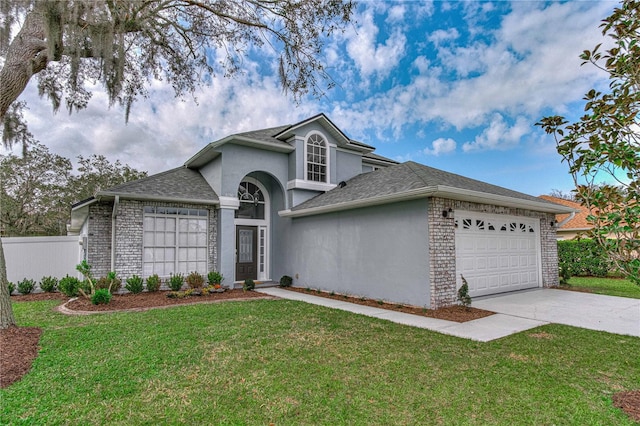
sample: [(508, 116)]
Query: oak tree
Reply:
[(125, 44)]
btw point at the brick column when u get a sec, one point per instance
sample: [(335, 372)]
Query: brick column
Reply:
[(442, 254)]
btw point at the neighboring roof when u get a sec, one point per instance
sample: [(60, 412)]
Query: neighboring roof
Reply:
[(411, 180), (176, 185), (570, 222)]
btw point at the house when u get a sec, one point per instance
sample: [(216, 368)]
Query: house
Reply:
[(307, 201), (570, 225)]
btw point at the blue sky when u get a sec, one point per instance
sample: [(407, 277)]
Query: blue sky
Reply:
[(453, 85)]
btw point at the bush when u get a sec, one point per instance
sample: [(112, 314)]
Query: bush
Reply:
[(248, 284), (564, 274), (583, 258), (101, 296), (463, 293), (153, 283), (49, 284), (286, 281), (26, 286), (134, 284), (12, 287), (69, 286), (176, 281), (214, 277), (195, 280)]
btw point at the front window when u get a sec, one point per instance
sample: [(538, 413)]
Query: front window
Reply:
[(251, 202), (175, 240), (316, 158)]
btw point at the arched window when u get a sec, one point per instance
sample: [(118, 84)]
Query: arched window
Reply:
[(316, 158), (251, 202)]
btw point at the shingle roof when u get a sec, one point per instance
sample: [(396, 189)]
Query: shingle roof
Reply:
[(579, 220), (265, 135), (176, 184), (405, 177)]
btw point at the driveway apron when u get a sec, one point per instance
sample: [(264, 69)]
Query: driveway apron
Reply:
[(618, 315)]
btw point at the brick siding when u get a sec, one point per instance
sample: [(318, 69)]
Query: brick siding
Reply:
[(129, 236)]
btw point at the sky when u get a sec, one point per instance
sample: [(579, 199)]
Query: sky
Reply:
[(455, 85)]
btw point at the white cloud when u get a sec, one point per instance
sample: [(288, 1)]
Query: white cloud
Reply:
[(441, 146), (372, 58), (499, 135), (438, 37)]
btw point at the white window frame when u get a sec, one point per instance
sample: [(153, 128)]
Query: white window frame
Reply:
[(262, 225), (327, 157), (179, 215)]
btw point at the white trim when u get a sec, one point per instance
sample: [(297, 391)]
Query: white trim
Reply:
[(310, 185), (229, 202), (327, 157), (258, 223), (432, 191)]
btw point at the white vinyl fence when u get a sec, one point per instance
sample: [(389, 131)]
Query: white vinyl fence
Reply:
[(37, 257)]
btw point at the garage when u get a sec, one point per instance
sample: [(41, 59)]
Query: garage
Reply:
[(497, 253)]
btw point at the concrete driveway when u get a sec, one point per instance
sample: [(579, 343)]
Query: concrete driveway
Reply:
[(618, 315)]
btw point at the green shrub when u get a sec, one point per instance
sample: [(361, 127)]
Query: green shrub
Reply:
[(49, 284), (584, 258), (214, 277), (286, 281), (463, 293), (153, 283), (176, 281), (248, 284), (12, 287), (69, 286), (564, 274), (26, 286), (101, 296), (135, 284), (195, 280)]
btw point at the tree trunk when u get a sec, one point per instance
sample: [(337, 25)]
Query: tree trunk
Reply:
[(26, 56), (6, 311)]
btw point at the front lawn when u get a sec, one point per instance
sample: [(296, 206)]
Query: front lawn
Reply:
[(286, 362), (608, 286)]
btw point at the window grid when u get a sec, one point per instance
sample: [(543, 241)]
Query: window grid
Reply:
[(316, 159), (175, 240)]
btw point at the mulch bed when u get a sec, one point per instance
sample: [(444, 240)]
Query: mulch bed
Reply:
[(158, 299), (452, 313)]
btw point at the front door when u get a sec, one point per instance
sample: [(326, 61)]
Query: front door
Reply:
[(247, 259)]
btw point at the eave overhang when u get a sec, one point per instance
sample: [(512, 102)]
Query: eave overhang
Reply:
[(212, 150), (432, 191)]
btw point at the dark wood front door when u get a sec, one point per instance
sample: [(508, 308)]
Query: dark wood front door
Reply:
[(247, 249)]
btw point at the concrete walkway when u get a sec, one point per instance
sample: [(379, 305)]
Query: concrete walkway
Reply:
[(515, 312)]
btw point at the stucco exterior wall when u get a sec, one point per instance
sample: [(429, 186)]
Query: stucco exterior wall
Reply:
[(377, 252)]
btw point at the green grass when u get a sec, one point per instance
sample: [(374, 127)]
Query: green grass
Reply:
[(291, 363), (608, 286)]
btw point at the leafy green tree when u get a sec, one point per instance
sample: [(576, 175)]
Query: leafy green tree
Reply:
[(33, 193), (602, 148), (124, 44), (37, 189)]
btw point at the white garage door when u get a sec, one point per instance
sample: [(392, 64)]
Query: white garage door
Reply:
[(497, 253)]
